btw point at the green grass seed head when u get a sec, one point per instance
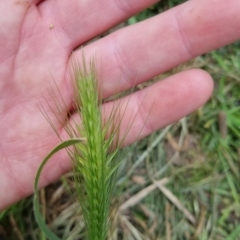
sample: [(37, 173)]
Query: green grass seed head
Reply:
[(95, 143), (94, 161)]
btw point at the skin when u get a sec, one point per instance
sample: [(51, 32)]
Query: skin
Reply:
[(37, 39)]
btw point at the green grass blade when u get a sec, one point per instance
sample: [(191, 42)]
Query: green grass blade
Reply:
[(36, 206)]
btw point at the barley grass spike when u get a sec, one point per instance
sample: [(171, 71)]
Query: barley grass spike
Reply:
[(95, 159)]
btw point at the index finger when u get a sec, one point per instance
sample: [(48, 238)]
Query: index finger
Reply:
[(142, 51)]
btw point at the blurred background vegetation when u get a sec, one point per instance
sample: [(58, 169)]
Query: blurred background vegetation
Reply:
[(182, 182)]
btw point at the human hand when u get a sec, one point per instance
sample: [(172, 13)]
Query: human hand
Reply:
[(36, 41)]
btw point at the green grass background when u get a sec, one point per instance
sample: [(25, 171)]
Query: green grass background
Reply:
[(183, 181)]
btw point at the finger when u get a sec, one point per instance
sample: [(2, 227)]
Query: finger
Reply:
[(80, 21), (142, 51), (161, 104)]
